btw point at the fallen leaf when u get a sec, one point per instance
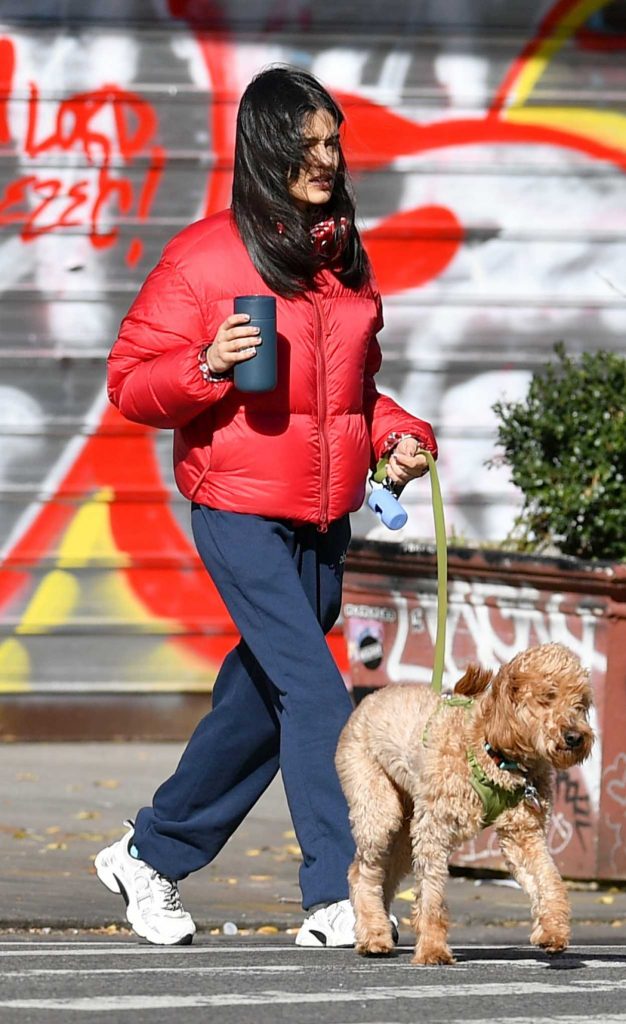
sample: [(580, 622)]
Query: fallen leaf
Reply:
[(107, 783), (606, 899), (407, 895), (88, 815), (293, 849), (56, 846), (253, 853), (267, 929), (290, 834), (26, 777), (233, 881), (260, 878), (52, 830), (105, 930)]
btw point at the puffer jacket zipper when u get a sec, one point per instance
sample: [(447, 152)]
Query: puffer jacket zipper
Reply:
[(320, 355)]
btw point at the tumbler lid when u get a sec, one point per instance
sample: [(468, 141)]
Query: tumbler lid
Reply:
[(256, 305)]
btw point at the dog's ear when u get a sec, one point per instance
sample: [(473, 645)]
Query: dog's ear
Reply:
[(512, 682), (475, 680)]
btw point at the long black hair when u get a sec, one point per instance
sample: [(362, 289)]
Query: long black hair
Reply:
[(269, 152)]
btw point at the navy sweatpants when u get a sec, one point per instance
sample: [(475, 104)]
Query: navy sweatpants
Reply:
[(279, 702)]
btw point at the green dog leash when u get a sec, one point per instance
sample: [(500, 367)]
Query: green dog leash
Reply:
[(441, 548)]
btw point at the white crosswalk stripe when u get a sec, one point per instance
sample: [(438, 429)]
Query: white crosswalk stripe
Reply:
[(615, 1018), (64, 978), (213, 969), (123, 1003)]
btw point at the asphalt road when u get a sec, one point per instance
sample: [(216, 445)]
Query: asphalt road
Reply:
[(62, 802), (258, 981), (66, 955)]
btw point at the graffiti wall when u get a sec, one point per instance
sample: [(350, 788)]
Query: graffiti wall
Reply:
[(488, 150)]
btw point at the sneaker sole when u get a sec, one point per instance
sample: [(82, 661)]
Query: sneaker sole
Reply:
[(324, 945), (313, 942), (110, 880), (310, 940), (185, 940)]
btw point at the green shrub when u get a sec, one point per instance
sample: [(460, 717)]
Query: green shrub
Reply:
[(566, 448)]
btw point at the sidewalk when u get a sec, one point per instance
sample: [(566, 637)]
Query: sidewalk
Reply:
[(60, 803)]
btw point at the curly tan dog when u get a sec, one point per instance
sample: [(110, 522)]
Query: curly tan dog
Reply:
[(424, 774)]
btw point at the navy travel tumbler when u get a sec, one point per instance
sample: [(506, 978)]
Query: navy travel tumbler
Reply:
[(259, 372)]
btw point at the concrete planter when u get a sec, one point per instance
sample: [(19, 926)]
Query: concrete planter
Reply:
[(498, 604)]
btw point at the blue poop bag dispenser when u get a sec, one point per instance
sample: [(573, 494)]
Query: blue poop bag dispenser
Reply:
[(384, 500)]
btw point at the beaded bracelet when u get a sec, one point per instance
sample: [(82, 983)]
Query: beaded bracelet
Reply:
[(208, 375), (392, 440)]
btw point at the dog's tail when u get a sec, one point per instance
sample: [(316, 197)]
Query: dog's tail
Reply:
[(475, 681)]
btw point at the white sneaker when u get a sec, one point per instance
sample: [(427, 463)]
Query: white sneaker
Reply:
[(153, 905), (333, 926), (328, 926)]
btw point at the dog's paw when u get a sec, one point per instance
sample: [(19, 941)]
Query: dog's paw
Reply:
[(428, 954), (377, 944), (375, 948), (553, 940)]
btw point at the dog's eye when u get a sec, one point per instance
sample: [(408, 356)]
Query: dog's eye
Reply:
[(548, 695)]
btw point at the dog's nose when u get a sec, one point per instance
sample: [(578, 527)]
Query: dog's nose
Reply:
[(573, 739)]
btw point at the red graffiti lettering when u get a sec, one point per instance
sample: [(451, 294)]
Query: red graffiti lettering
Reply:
[(42, 205), (7, 67), (74, 124)]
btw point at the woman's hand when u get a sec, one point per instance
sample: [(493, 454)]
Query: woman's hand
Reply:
[(235, 342), (404, 462)]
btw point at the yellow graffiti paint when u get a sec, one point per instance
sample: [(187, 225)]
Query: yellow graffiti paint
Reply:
[(601, 126), (52, 604), (112, 595), (89, 542), (89, 539), (14, 667), (534, 67), (170, 668), (69, 595)]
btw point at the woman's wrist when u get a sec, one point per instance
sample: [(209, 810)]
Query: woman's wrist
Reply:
[(209, 375), (393, 440)]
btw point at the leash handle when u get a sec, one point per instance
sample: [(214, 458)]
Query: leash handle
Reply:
[(441, 547)]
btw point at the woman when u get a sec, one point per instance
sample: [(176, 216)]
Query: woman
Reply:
[(272, 478)]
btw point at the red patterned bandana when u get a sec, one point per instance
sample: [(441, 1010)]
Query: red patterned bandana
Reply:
[(329, 237)]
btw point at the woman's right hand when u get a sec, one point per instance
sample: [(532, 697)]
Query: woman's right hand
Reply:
[(235, 342)]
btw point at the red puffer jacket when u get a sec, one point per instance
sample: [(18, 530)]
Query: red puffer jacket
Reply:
[(300, 452)]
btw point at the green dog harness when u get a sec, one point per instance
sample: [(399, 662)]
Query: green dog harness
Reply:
[(494, 798)]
